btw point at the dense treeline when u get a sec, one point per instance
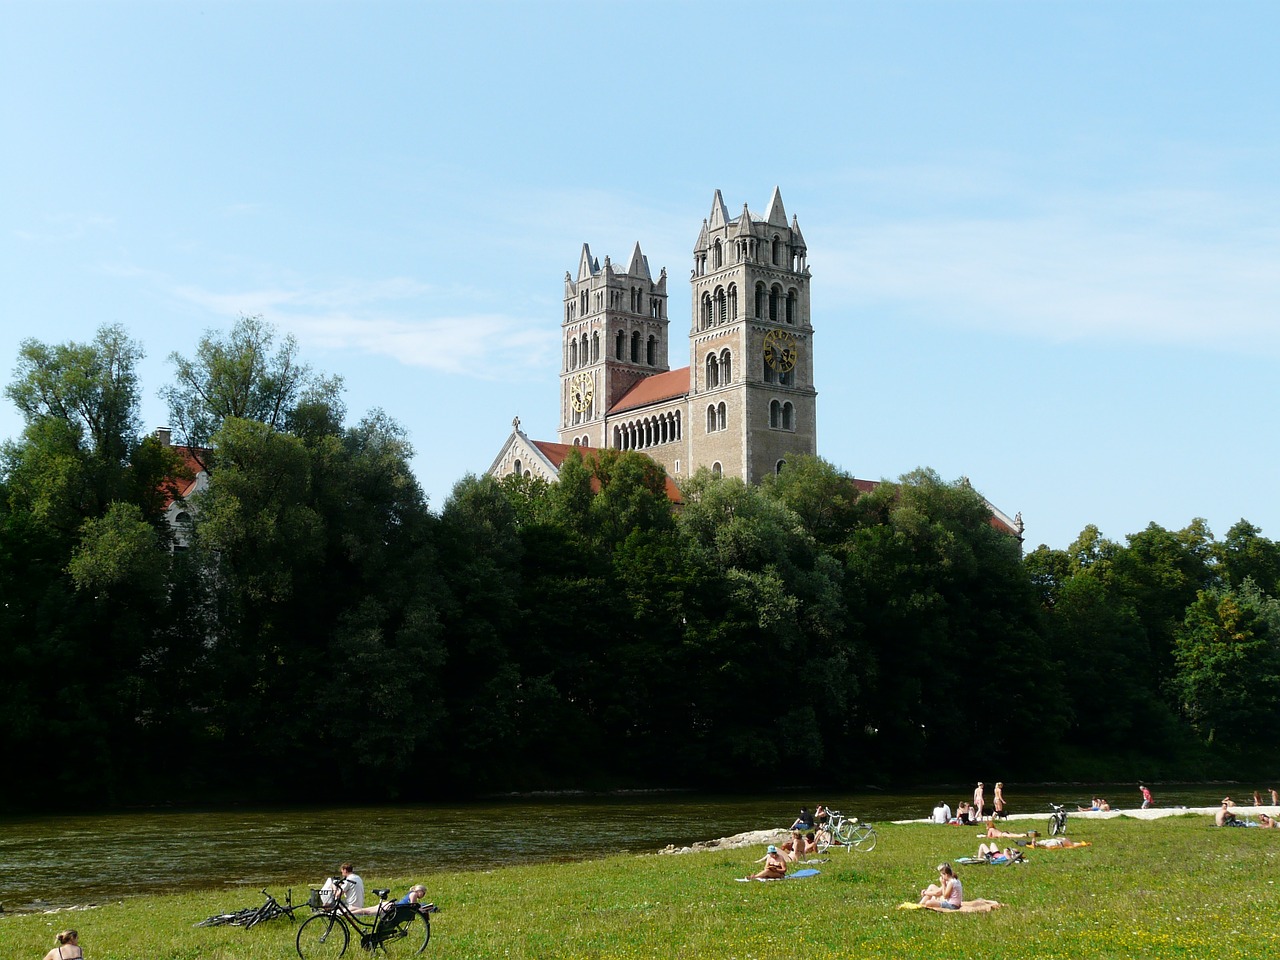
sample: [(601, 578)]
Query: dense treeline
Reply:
[(321, 632)]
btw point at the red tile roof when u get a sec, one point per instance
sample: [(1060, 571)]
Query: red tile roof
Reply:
[(176, 487), (558, 452), (659, 387)]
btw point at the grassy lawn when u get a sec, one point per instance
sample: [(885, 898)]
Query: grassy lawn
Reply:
[(1177, 887)]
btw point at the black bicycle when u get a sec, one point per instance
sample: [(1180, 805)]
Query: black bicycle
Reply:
[(393, 930), (270, 909), (1058, 820)]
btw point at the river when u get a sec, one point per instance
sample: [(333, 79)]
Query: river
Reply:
[(53, 861)]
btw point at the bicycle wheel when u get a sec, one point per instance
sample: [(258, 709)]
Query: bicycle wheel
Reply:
[(322, 936), (410, 937), (845, 834), (865, 839)]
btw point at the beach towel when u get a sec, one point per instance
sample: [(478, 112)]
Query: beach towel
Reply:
[(1058, 843), (969, 906), (798, 875)]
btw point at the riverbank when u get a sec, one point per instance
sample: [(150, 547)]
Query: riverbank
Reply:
[(1144, 888)]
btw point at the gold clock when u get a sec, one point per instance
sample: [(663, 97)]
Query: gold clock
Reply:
[(780, 350), (581, 390)]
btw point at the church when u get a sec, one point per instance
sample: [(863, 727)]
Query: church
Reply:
[(745, 402)]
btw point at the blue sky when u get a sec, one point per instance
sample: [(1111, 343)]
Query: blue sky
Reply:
[(1045, 238)]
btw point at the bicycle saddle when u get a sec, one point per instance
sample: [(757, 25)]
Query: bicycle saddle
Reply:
[(382, 894)]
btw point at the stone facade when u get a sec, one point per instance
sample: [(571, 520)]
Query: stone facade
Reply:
[(745, 402)]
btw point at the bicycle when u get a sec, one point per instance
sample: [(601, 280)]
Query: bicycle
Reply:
[(849, 832), (1058, 820), (395, 930), (271, 909)]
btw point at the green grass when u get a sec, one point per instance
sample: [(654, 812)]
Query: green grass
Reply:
[(1177, 887)]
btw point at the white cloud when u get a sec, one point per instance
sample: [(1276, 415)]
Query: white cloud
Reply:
[(392, 318), (1185, 268)]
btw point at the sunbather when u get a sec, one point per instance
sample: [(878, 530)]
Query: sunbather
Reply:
[(993, 832), (946, 894), (775, 866)]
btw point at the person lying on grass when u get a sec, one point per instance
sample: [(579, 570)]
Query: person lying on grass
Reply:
[(993, 832), (946, 894), (992, 853), (775, 865), (412, 898)]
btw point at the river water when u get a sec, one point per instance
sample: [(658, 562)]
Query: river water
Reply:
[(51, 861)]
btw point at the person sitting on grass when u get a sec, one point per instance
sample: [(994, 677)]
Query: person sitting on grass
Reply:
[(946, 894), (775, 865), (68, 947), (1225, 817), (412, 898), (1094, 806), (803, 822)]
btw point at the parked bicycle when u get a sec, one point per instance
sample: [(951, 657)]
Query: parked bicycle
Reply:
[(848, 832), (394, 930), (1058, 820), (271, 909)]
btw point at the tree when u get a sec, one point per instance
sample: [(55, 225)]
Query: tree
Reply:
[(1228, 664), (239, 377), (1245, 554)]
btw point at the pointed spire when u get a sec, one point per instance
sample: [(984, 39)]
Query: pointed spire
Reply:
[(776, 215), (638, 265), (702, 242), (744, 223), (586, 266), (720, 215), (796, 236)]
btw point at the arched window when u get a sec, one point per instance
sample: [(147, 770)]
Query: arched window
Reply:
[(726, 366), (788, 417), (760, 301), (635, 346), (777, 250), (775, 414), (717, 470), (733, 301), (711, 418), (705, 313), (713, 372), (773, 303), (582, 349), (583, 307), (618, 345), (770, 375), (791, 306), (777, 467), (717, 256), (595, 346), (573, 354), (722, 312), (720, 416), (651, 350), (516, 471)]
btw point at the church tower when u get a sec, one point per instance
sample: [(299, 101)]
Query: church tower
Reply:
[(752, 401), (614, 334)]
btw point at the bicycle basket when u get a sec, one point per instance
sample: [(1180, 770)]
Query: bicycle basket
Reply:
[(320, 899)]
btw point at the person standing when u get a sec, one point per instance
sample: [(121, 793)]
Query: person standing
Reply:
[(979, 801), (1146, 796), (998, 800)]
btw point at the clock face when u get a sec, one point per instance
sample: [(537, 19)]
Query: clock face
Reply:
[(581, 390), (780, 350)]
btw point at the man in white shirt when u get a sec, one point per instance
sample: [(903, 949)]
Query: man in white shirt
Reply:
[(942, 812), (351, 885)]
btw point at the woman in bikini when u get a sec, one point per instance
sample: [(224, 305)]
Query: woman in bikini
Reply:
[(68, 947)]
